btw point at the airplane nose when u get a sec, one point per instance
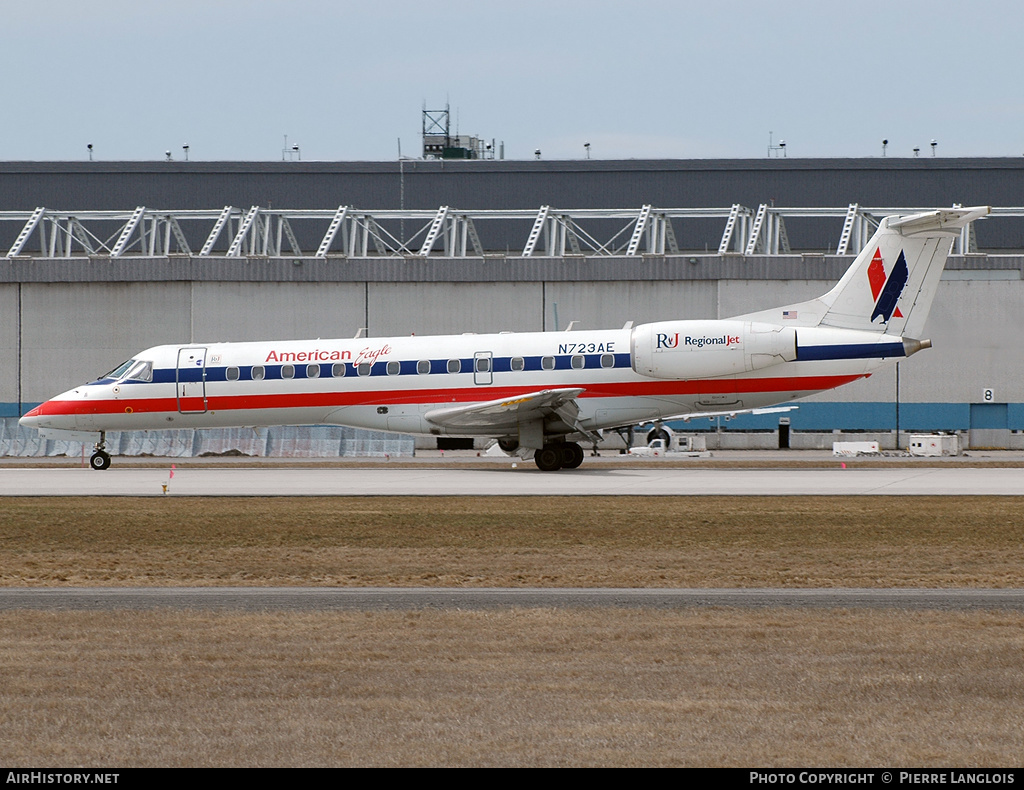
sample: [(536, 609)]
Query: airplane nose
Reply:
[(32, 418)]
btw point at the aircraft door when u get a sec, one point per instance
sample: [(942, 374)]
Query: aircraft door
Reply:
[(483, 367), (191, 380)]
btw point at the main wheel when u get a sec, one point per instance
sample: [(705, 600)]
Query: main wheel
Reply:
[(99, 461), (572, 455), (548, 458)]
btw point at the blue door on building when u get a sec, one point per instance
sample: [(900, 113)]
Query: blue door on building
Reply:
[(989, 416), (989, 426)]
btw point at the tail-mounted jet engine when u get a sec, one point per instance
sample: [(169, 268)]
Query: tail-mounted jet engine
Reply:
[(702, 349)]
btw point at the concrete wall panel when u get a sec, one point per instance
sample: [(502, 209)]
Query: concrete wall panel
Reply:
[(737, 297), (608, 305), (975, 326), (9, 364), (233, 311), (454, 308), (74, 333)]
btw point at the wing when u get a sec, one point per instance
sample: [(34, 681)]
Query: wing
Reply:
[(505, 415)]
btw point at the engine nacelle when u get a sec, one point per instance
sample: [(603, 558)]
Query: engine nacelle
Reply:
[(705, 349)]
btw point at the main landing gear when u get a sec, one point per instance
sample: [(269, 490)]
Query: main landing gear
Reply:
[(552, 457), (100, 459)]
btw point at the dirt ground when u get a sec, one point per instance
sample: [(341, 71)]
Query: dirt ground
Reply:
[(529, 687), (522, 687), (508, 542)]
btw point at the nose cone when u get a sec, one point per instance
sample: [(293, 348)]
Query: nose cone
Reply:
[(57, 413), (33, 418)]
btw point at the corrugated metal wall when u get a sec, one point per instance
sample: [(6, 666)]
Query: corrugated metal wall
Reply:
[(925, 181)]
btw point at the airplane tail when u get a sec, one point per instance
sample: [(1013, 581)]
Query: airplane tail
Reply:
[(890, 286)]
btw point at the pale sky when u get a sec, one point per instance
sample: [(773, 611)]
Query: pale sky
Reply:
[(654, 79)]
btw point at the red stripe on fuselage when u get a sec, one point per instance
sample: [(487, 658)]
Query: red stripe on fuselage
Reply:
[(298, 400)]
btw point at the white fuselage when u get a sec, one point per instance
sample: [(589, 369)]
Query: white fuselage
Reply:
[(626, 376)]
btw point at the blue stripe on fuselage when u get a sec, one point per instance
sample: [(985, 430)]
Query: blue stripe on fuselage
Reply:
[(851, 351)]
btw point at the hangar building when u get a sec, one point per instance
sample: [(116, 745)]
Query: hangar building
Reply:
[(104, 259)]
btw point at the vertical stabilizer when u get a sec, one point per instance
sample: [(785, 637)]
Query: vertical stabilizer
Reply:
[(890, 286)]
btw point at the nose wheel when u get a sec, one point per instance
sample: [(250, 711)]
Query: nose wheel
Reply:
[(100, 459)]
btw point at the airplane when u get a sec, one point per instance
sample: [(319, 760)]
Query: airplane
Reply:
[(538, 393)]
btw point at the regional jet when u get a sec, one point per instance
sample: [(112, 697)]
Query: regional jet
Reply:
[(538, 393)]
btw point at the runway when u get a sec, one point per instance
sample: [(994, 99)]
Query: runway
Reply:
[(271, 599), (525, 480)]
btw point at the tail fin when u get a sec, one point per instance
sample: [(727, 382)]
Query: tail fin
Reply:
[(890, 286)]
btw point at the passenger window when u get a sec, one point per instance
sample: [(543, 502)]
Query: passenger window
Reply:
[(338, 370), (363, 368), (518, 363), (607, 360), (579, 362), (258, 372), (454, 365), (287, 371), (312, 371), (394, 367), (547, 363), (423, 367), (231, 374), (483, 364)]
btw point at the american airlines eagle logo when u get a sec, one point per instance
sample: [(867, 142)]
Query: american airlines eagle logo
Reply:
[(887, 289)]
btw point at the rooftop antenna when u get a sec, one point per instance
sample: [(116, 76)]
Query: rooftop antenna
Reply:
[(185, 149), (776, 148), (933, 144), (586, 147), (884, 144), (89, 146), (292, 153), (917, 151)]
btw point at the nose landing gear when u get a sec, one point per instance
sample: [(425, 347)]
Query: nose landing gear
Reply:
[(100, 459)]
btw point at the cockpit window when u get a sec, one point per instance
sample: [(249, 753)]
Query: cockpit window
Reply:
[(119, 371), (140, 371)]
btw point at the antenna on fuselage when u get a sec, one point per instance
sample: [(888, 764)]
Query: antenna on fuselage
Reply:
[(361, 332)]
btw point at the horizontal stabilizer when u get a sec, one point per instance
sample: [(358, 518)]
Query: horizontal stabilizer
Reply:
[(944, 219)]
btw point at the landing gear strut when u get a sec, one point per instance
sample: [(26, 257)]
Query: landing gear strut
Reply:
[(100, 459)]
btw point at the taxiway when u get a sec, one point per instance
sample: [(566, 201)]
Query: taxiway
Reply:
[(506, 481)]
